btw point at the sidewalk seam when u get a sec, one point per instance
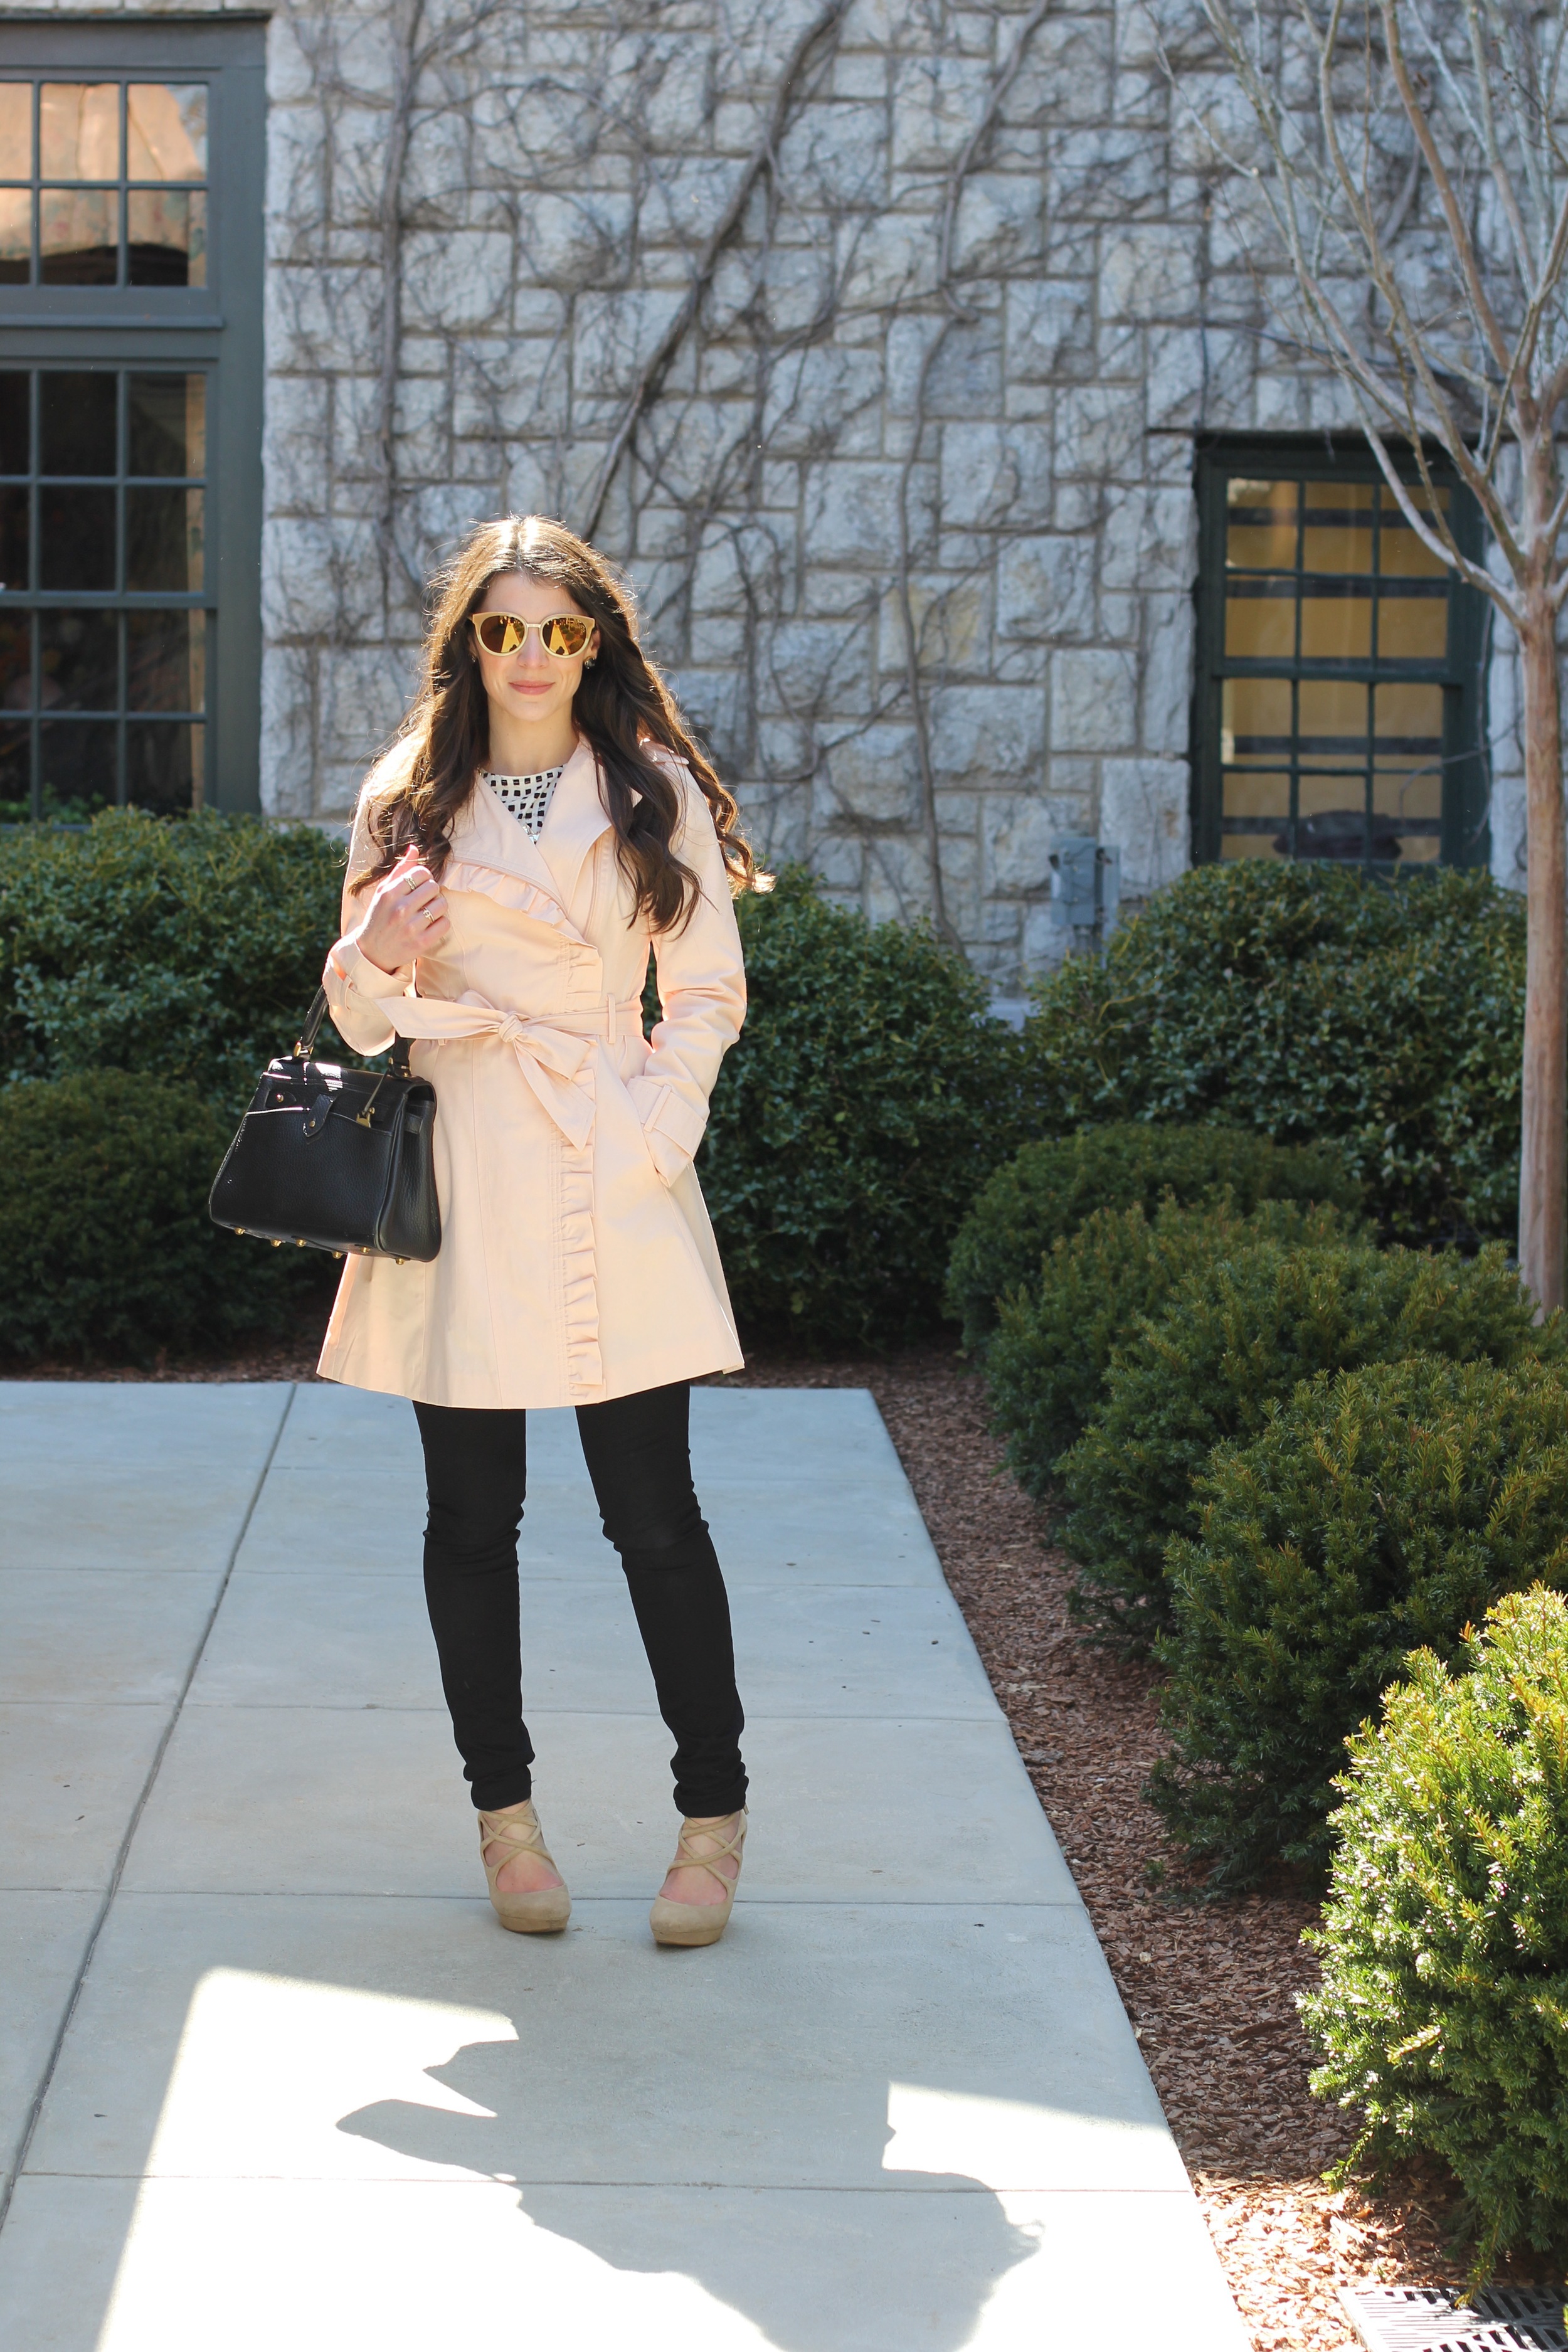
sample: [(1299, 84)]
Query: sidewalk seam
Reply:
[(122, 1854)]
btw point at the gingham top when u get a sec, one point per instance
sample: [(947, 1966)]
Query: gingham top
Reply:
[(527, 797)]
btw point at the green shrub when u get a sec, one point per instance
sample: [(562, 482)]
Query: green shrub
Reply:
[(1233, 1338), (1044, 1193), (1046, 1365), (105, 1243), (868, 1100), (1304, 1003), (1443, 2009), (1378, 1512), (187, 949)]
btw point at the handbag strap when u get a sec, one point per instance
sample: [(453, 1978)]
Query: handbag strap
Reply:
[(305, 1044)]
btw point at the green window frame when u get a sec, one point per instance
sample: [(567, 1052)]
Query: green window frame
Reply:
[(131, 159), (1339, 703)]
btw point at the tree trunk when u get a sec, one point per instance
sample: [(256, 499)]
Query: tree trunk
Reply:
[(1544, 1142)]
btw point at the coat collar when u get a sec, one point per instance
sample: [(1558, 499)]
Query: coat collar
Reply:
[(491, 835)]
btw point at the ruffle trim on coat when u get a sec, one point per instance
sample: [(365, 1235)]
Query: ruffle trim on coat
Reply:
[(510, 891), (579, 1271)]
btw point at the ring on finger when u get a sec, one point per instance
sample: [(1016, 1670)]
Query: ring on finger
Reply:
[(432, 915)]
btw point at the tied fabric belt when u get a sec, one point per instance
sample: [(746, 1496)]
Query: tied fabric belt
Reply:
[(551, 1048)]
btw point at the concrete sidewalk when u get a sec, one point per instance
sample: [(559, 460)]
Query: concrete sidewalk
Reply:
[(282, 2081)]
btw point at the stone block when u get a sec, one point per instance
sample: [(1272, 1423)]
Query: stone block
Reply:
[(885, 259), (953, 626), (994, 475), (1166, 687), (1143, 810), (937, 101), (672, 112), (457, 280), (822, 400), (1094, 701), (836, 155), (296, 444), (1174, 371), (1046, 587), (1148, 271), (817, 666), (869, 779), (1099, 431), (319, 319), (1104, 174), (288, 730), (1000, 221), (1151, 539), (319, 578), (961, 362), (296, 195), (852, 510), (617, 334), (1051, 329), (717, 641), (581, 237), (988, 733), (1019, 830), (362, 694)]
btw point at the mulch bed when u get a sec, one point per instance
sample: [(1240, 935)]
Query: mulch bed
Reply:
[(1209, 1987)]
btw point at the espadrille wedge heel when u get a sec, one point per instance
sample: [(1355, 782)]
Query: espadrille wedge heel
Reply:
[(701, 1923)]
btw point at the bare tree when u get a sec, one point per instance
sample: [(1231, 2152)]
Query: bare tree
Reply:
[(1412, 167)]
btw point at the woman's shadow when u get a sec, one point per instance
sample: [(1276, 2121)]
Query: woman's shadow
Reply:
[(901, 2258)]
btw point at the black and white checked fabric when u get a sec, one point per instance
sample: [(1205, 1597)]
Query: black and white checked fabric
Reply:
[(527, 797)]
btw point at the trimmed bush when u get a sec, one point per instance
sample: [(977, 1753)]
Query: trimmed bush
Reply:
[(187, 949), (1306, 1004), (1044, 1193), (105, 1243), (1046, 1365), (1231, 1340), (1443, 2009), (1378, 1512), (866, 1101)]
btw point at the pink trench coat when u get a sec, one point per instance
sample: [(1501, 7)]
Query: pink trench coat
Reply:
[(577, 1262)]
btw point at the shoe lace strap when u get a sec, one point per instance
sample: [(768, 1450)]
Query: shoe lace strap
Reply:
[(685, 1859), (518, 1833)]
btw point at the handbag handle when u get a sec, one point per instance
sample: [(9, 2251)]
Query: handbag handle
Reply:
[(305, 1044)]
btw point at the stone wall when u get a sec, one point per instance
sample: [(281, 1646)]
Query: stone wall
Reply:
[(984, 286)]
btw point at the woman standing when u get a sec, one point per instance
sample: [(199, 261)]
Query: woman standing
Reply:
[(543, 820)]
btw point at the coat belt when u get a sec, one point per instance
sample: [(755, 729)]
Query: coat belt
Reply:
[(551, 1048)]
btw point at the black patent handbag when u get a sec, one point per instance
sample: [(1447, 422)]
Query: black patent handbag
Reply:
[(334, 1159)]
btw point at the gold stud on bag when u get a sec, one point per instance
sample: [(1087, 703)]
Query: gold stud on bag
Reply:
[(334, 1159)]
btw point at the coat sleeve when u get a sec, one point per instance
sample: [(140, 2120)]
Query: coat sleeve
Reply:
[(352, 981), (702, 1001)]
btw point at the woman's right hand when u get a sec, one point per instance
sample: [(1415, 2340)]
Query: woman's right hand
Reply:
[(406, 917)]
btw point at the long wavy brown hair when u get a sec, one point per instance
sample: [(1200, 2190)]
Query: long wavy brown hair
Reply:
[(623, 709)]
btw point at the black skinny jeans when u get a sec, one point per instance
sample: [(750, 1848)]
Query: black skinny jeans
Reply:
[(638, 1457)]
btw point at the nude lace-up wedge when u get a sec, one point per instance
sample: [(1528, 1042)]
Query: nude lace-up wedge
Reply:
[(700, 1923), (546, 1910)]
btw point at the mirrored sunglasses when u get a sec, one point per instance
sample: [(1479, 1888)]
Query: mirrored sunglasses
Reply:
[(564, 635)]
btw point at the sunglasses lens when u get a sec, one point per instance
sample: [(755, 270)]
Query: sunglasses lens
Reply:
[(497, 632), (567, 634)]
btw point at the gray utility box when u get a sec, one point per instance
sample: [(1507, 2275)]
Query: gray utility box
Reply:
[(1086, 886)]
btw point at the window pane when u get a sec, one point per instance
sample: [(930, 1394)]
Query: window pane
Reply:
[(76, 761), (164, 766), (1338, 533), (76, 538), (76, 413), (79, 661), (1256, 792), (15, 436), (1252, 845), (79, 126), (1404, 554), (168, 424), (1254, 718), (78, 236), (1336, 629), (15, 236), (164, 539), (166, 238), (13, 538), (16, 772), (1260, 525), (1413, 628), (15, 130), (165, 661), (167, 124), (1333, 721), (16, 661), (1261, 625)]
